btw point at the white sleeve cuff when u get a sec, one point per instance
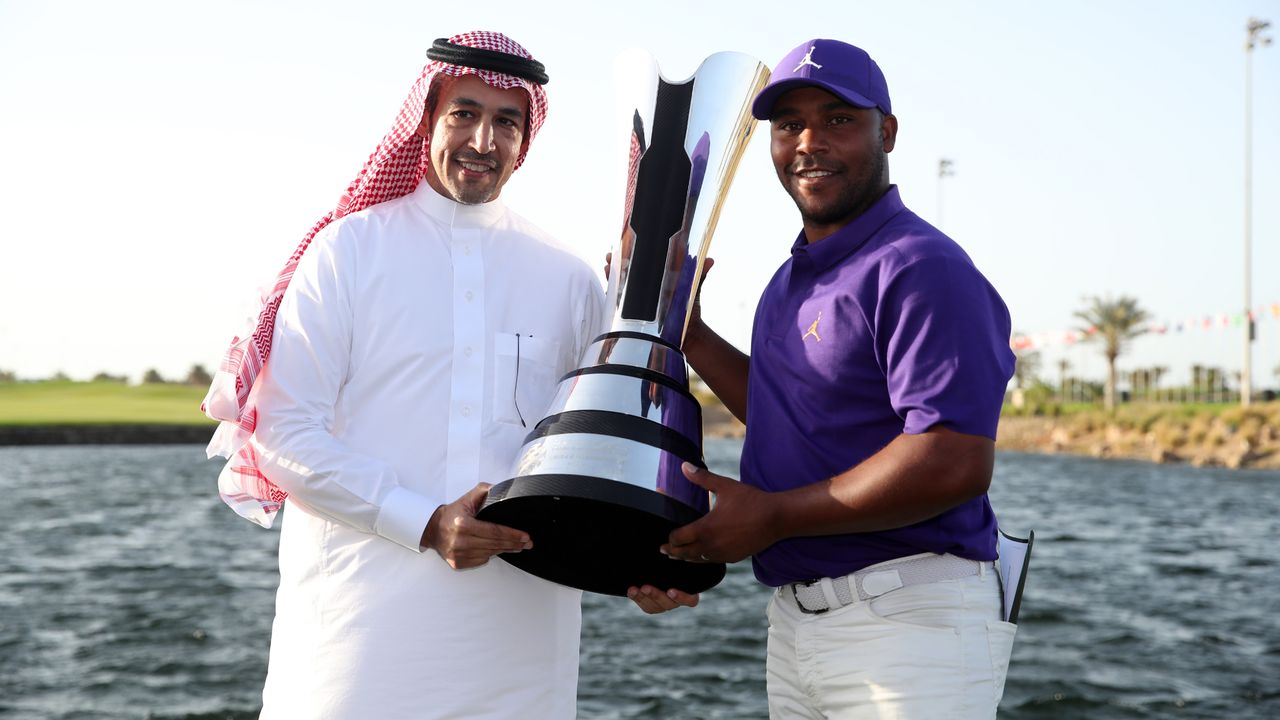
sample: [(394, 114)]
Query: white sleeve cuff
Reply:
[(404, 516)]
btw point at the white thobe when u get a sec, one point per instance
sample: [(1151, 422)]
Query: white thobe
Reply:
[(392, 389)]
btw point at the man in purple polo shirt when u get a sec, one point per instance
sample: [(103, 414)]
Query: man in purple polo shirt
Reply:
[(879, 360)]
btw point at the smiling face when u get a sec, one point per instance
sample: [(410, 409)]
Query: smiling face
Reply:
[(477, 133), (831, 157)]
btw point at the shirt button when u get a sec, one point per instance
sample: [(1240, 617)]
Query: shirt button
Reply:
[(467, 351), (466, 411), (469, 295)]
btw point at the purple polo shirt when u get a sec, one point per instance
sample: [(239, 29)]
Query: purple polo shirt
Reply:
[(884, 327)]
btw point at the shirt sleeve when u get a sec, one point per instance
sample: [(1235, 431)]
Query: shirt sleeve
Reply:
[(593, 319), (942, 335), (297, 395)]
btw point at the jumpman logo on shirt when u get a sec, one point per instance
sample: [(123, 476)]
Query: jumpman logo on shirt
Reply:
[(813, 330), (808, 60)]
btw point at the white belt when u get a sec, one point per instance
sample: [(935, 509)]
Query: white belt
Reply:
[(823, 594)]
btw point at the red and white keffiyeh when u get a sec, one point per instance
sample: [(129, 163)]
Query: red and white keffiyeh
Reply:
[(393, 170)]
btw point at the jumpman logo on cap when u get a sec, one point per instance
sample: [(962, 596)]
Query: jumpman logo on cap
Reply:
[(808, 60)]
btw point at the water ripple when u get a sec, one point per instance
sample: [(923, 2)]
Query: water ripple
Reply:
[(1153, 595)]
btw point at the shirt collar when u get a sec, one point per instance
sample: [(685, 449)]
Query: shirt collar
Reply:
[(455, 214), (841, 243)]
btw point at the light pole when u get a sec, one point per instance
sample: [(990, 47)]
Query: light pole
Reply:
[(1062, 380), (945, 170), (1253, 38)]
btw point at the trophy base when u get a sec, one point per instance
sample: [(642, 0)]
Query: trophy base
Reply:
[(596, 534)]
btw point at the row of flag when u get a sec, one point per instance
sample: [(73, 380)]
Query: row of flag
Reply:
[(1032, 341)]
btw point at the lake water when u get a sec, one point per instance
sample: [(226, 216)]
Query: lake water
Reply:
[(127, 590)]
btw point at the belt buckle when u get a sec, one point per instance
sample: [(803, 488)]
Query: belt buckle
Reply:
[(795, 596)]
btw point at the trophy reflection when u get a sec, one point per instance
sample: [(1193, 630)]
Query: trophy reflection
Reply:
[(597, 484)]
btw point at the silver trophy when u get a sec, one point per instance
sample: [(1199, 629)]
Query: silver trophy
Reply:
[(597, 484)]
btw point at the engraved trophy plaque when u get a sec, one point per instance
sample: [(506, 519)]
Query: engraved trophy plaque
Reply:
[(597, 484)]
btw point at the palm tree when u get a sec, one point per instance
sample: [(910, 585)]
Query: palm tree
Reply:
[(1135, 382), (1026, 365), (1113, 322), (1157, 372)]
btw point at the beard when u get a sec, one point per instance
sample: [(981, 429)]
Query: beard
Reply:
[(860, 192), (471, 195)]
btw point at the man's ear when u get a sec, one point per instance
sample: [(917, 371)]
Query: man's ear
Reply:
[(888, 132), (429, 105)]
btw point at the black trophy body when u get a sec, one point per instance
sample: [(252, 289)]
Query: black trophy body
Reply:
[(597, 484)]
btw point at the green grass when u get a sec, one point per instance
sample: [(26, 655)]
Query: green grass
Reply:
[(100, 403)]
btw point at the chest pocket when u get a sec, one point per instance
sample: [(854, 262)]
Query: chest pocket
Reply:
[(524, 377)]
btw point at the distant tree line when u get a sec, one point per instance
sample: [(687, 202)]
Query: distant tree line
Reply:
[(197, 375), (1113, 323)]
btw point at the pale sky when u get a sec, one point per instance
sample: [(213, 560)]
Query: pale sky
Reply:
[(162, 159)]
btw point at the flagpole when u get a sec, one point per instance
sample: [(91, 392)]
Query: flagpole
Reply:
[(1253, 37)]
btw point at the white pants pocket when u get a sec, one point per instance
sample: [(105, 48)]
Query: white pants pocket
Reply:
[(1000, 636)]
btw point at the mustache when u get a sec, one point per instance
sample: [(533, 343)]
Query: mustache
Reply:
[(472, 156), (802, 166)]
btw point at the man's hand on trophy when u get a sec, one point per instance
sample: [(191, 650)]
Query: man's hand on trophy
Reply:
[(695, 317), (653, 601), (465, 542), (743, 521)]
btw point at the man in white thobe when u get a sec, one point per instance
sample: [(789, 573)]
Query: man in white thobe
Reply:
[(416, 344)]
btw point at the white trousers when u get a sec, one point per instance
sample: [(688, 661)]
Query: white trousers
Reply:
[(925, 652)]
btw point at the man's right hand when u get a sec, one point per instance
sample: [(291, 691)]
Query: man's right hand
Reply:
[(653, 601), (465, 542), (696, 326)]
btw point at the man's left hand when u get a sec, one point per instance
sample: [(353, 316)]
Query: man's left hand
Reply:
[(743, 521)]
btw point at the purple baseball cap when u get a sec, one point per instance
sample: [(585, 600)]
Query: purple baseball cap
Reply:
[(841, 69)]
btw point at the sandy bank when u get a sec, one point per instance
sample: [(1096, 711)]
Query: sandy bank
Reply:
[(1228, 437), (1238, 439)]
